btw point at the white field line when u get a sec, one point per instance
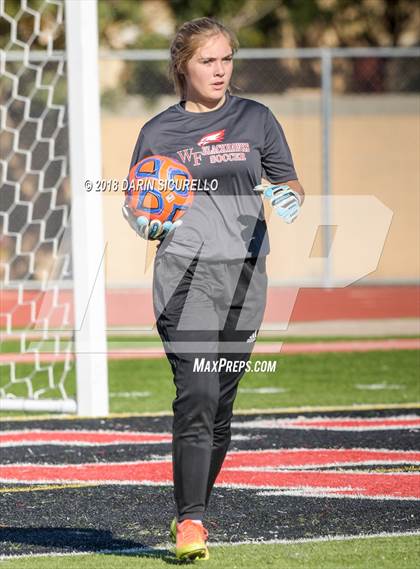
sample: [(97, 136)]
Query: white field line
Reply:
[(312, 423), (304, 491), (263, 390), (129, 394), (378, 386), (140, 550), (317, 539), (268, 411)]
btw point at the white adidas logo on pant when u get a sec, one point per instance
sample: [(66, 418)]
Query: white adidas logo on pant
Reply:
[(253, 337)]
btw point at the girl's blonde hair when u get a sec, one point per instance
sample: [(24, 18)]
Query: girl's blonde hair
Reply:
[(187, 39)]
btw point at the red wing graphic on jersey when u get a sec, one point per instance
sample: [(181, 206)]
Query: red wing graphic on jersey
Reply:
[(212, 138)]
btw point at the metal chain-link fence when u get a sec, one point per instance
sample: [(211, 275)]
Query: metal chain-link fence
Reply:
[(350, 116)]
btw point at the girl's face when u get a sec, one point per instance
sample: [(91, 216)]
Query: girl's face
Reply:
[(209, 71)]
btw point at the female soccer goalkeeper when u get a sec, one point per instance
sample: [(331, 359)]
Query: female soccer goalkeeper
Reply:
[(209, 283)]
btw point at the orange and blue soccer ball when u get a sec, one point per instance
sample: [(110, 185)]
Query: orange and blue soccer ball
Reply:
[(159, 188)]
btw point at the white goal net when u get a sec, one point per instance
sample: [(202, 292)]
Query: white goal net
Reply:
[(44, 345)]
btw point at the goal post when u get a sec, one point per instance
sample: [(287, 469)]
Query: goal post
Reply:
[(52, 312), (87, 231)]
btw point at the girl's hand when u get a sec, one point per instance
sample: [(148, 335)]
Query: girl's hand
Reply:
[(150, 230)]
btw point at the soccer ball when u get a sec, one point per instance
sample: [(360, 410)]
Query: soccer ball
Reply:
[(159, 188)]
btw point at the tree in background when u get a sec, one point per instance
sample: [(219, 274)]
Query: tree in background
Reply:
[(148, 24), (258, 23), (269, 23)]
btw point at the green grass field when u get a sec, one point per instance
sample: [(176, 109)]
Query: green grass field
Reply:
[(375, 553), (138, 341), (326, 379), (310, 379)]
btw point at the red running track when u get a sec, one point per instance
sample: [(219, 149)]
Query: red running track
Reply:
[(131, 307), (260, 348)]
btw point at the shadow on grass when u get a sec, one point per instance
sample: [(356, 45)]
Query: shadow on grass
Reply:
[(47, 540)]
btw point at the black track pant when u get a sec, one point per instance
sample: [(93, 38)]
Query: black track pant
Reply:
[(208, 315)]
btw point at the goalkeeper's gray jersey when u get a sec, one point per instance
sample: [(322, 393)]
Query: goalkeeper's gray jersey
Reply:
[(227, 151)]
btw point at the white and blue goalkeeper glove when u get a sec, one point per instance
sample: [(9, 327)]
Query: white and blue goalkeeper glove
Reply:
[(149, 229), (285, 201)]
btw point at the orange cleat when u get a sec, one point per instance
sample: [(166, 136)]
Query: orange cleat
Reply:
[(190, 540), (173, 532)]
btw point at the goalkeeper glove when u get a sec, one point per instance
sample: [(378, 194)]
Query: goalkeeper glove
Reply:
[(149, 229), (285, 201)]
